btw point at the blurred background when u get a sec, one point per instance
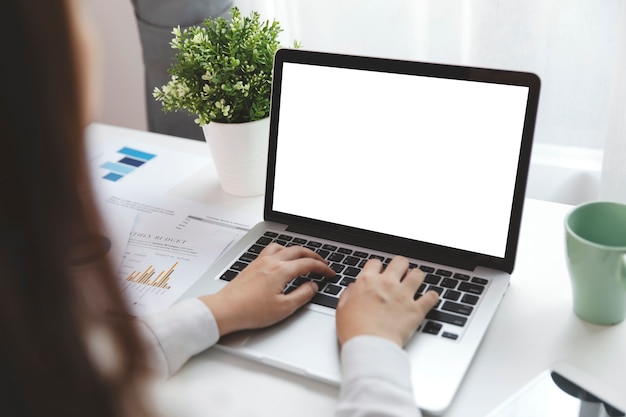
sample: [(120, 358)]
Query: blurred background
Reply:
[(577, 47)]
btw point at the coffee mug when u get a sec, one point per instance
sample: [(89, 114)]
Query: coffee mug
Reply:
[(596, 259)]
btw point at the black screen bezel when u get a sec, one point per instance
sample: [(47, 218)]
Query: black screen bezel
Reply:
[(374, 240)]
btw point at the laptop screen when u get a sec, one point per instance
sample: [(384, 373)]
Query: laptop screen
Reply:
[(426, 158)]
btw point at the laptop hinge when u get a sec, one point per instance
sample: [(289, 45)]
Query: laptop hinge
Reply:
[(410, 249)]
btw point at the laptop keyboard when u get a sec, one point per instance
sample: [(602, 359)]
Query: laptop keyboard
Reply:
[(459, 292)]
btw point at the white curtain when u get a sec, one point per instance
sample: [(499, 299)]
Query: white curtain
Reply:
[(614, 164), (577, 47)]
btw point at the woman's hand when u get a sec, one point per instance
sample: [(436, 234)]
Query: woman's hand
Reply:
[(381, 303), (255, 297)]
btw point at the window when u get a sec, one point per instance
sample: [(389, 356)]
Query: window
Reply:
[(577, 47)]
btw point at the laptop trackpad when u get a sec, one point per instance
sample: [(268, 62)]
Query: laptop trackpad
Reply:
[(306, 344)]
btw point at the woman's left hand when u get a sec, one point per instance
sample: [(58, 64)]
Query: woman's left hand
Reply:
[(255, 298)]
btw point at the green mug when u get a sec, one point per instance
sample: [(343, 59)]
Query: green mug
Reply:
[(596, 259)]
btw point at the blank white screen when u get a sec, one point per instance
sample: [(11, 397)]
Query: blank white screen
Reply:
[(428, 159)]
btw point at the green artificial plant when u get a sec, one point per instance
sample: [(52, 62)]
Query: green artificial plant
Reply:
[(222, 71)]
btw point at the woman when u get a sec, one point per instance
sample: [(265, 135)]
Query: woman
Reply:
[(68, 344)]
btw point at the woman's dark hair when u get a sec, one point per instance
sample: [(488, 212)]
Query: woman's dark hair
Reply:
[(52, 304)]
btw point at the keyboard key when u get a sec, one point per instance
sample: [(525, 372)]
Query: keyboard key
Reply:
[(420, 291), (471, 288), (351, 260), (351, 271), (449, 283), (469, 299), (345, 251), (438, 290), (264, 240), (315, 276), (334, 279), (323, 253), (444, 273), (248, 257), (285, 237), (446, 318), (462, 277), (449, 335), (427, 269), (432, 327), (452, 295), (238, 266), (336, 257), (270, 234), (256, 249), (325, 300), (229, 275), (332, 289), (331, 248), (432, 279), (479, 281), (457, 308), (360, 254), (337, 267), (299, 241), (347, 281), (314, 244), (299, 281)]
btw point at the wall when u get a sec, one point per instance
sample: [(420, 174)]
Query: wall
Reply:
[(564, 174), (122, 66)]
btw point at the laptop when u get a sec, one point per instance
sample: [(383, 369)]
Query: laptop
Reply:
[(372, 157)]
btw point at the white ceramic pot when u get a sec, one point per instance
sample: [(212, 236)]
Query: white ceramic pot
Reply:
[(239, 152)]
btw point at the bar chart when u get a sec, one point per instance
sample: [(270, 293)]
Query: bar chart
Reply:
[(145, 277), (127, 160)]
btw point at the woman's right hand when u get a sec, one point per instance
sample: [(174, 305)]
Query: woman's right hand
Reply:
[(381, 303)]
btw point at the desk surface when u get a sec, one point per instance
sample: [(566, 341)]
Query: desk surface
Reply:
[(534, 326)]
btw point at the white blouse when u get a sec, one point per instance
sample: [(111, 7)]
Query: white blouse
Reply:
[(369, 387)]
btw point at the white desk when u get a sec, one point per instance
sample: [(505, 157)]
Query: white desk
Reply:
[(534, 327)]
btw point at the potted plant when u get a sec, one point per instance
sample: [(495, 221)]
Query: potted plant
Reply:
[(222, 73)]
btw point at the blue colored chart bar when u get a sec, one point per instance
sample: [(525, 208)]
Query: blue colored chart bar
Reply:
[(131, 161), (119, 168), (136, 154), (111, 176)]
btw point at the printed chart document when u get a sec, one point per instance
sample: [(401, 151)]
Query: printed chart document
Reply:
[(161, 262), (119, 162), (161, 243), (172, 243)]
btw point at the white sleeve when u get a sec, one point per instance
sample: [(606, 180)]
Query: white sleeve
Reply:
[(176, 334), (375, 379)]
